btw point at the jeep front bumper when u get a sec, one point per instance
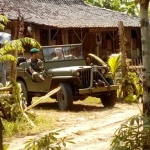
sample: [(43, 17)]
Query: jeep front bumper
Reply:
[(98, 89)]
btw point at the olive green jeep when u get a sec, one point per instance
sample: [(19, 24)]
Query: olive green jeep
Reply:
[(76, 79)]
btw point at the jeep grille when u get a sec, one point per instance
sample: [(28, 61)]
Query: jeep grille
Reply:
[(85, 77)]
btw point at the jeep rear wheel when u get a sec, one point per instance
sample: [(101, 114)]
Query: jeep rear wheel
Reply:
[(27, 98), (109, 99), (65, 97)]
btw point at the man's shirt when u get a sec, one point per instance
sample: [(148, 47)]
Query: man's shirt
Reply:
[(36, 65)]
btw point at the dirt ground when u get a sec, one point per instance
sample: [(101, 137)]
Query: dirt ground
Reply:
[(90, 126)]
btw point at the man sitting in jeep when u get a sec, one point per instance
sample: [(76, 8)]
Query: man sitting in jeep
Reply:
[(59, 54), (35, 67)]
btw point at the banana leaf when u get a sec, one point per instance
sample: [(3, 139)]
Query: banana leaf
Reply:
[(98, 59), (114, 63)]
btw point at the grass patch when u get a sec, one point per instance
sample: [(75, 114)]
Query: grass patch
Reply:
[(92, 100), (22, 128)]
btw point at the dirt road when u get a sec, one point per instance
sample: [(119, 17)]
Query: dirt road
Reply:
[(90, 126)]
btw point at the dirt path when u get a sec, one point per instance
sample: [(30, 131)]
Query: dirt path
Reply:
[(91, 127)]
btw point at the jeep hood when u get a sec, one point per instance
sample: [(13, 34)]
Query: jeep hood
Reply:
[(65, 71)]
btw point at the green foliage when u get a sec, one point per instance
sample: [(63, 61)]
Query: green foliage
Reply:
[(49, 141), (129, 7), (16, 45), (97, 3), (12, 107), (3, 22), (132, 134), (131, 86), (18, 127), (114, 63), (30, 41), (21, 127), (5, 146)]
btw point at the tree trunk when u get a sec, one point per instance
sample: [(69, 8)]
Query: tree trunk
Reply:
[(122, 43), (145, 55), (1, 135), (19, 30)]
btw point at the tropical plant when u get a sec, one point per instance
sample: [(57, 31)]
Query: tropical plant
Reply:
[(131, 87), (16, 45), (16, 89), (133, 134), (47, 142), (3, 22), (114, 62)]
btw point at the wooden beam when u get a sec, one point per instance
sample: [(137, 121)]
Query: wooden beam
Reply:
[(55, 34), (102, 29), (82, 38), (77, 35)]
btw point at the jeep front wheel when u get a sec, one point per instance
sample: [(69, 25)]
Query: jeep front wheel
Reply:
[(109, 99), (65, 97)]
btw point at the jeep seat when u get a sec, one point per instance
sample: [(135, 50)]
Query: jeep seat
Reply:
[(21, 60)]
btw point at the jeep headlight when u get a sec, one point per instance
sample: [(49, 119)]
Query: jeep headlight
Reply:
[(78, 73)]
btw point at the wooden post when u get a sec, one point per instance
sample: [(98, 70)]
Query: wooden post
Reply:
[(65, 36)]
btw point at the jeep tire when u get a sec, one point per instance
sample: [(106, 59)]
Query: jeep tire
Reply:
[(109, 99), (65, 97), (27, 97)]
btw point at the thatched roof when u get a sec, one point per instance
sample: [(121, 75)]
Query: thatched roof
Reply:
[(66, 13)]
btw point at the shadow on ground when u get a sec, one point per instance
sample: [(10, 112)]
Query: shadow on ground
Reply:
[(76, 107)]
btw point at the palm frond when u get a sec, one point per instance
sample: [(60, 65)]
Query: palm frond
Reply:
[(43, 98), (3, 19), (19, 45), (11, 46), (114, 63), (2, 26), (97, 58), (31, 42), (7, 57)]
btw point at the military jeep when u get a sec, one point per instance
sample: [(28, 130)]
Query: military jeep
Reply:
[(76, 79)]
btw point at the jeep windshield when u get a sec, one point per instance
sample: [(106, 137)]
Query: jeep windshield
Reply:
[(62, 52)]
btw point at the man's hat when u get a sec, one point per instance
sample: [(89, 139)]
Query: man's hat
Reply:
[(34, 50)]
